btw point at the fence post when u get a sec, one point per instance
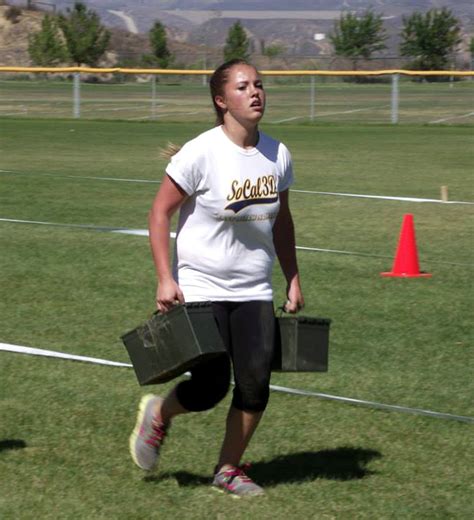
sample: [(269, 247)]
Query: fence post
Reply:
[(313, 96), (204, 76), (153, 96), (77, 95), (395, 92)]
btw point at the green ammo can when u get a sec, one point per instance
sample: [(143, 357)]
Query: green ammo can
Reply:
[(301, 344), (169, 344)]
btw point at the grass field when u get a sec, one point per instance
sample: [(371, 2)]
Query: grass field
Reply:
[(178, 100), (65, 425)]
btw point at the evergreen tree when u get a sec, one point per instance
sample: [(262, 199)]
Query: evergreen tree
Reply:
[(86, 39), (357, 37), (237, 44), (46, 47), (159, 45), (430, 38)]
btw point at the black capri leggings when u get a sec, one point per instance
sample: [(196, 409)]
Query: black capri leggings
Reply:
[(248, 332)]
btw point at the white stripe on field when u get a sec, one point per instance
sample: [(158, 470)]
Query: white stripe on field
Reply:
[(63, 355), (289, 119), (452, 117), (78, 226), (292, 391), (382, 197), (157, 116), (310, 192), (111, 109), (87, 177), (14, 113), (324, 114), (144, 233), (138, 232), (350, 111)]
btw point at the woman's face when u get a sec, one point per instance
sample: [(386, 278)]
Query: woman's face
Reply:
[(244, 97)]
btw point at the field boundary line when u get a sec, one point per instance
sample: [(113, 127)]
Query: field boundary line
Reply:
[(18, 349), (382, 197), (83, 177), (463, 116), (144, 233), (324, 114), (309, 192)]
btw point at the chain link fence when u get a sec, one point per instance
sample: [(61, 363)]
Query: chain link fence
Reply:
[(293, 96)]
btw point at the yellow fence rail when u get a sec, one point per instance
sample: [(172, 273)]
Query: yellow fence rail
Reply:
[(117, 70)]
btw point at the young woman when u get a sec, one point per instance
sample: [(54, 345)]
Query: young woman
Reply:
[(230, 185)]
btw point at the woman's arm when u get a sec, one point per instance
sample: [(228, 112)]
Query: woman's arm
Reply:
[(284, 241), (167, 201)]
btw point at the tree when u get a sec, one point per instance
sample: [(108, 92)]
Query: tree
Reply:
[(357, 37), (159, 45), (86, 39), (46, 47), (237, 44), (430, 38), (274, 50)]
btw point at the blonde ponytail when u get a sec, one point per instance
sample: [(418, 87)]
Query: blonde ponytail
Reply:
[(169, 150)]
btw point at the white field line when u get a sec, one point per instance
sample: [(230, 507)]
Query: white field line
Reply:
[(18, 349), (381, 197), (310, 192), (463, 116), (289, 119), (63, 355), (14, 113), (112, 109), (114, 102), (114, 179), (320, 114), (158, 116), (144, 233), (350, 111)]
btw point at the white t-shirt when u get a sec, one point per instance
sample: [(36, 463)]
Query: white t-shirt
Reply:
[(224, 245)]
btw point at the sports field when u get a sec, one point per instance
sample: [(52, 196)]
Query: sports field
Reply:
[(407, 342), (186, 99)]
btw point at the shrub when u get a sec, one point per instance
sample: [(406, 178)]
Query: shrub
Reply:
[(13, 14)]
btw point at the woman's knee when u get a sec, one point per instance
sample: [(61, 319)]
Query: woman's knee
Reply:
[(198, 398), (251, 399), (206, 388)]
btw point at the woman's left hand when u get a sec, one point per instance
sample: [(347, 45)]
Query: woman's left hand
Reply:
[(295, 301)]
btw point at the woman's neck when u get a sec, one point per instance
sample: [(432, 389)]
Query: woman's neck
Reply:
[(245, 137)]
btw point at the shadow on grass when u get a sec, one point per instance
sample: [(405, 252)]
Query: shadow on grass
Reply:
[(345, 463), (12, 444)]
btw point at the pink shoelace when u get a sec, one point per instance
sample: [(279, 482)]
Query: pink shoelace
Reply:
[(155, 439), (238, 471)]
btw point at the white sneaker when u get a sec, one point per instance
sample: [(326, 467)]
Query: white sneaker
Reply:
[(148, 434)]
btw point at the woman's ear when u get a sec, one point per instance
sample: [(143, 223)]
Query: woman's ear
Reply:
[(219, 100)]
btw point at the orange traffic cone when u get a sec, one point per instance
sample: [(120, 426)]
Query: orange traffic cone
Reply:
[(406, 258)]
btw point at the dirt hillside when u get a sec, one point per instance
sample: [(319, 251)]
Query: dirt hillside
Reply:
[(124, 45)]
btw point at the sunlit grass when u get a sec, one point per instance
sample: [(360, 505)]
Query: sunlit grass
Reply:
[(64, 427)]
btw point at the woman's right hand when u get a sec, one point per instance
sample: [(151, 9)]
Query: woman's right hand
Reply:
[(168, 294)]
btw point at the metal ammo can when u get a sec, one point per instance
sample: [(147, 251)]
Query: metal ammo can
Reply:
[(301, 344), (169, 344)]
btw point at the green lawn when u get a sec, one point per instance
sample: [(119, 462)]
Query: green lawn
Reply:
[(64, 427)]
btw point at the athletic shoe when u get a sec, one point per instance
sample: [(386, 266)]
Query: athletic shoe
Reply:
[(148, 435), (233, 480)]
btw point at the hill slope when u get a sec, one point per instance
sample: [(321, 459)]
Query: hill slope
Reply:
[(197, 29)]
